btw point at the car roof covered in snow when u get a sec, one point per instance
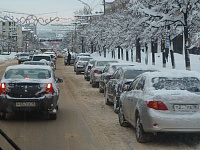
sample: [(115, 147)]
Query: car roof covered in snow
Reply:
[(42, 55), (28, 67), (173, 74), (140, 67)]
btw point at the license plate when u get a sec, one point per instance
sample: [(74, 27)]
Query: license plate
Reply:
[(186, 108), (25, 104)]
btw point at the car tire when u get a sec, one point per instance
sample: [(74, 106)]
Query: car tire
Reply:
[(122, 120), (107, 102), (116, 107), (141, 135), (101, 90), (53, 116), (2, 116)]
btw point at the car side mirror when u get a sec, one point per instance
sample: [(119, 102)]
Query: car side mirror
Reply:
[(59, 80)]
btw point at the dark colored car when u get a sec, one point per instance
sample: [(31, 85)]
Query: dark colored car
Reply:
[(29, 88), (108, 73), (121, 79)]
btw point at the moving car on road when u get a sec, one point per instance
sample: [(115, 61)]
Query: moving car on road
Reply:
[(29, 88), (23, 57), (162, 102), (46, 57)]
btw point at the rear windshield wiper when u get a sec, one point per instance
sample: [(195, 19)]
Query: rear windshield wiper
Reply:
[(9, 141)]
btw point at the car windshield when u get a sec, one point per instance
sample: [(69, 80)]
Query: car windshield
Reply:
[(27, 74), (105, 63), (85, 59), (38, 58), (132, 74), (185, 83)]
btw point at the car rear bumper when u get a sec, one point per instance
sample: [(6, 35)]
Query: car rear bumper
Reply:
[(80, 69), (168, 122), (41, 104), (96, 77)]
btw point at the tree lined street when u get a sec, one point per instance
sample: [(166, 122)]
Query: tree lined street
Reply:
[(84, 122)]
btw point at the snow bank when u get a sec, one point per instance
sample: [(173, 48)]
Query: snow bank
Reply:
[(7, 57)]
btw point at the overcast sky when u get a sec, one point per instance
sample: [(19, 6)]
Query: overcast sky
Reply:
[(48, 8)]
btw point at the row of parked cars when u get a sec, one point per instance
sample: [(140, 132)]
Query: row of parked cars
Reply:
[(31, 87), (152, 100)]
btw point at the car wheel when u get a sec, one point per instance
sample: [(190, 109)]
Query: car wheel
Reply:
[(141, 135), (101, 90), (116, 106), (2, 116), (107, 102), (53, 116), (122, 120)]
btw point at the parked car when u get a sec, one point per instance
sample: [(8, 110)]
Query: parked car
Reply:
[(121, 79), (46, 57), (81, 64), (22, 57), (73, 56), (88, 68), (81, 54), (108, 74), (29, 88), (97, 70), (43, 63), (162, 102), (77, 59)]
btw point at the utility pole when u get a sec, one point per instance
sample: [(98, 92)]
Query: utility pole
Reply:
[(104, 6)]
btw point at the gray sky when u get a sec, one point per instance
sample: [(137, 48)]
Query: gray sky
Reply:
[(48, 8)]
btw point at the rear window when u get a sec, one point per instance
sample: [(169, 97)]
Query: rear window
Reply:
[(132, 74), (92, 62), (38, 58), (104, 63), (28, 74), (34, 63), (24, 55), (185, 83), (85, 59)]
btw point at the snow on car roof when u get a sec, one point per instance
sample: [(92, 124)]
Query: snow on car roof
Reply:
[(140, 67), (28, 67), (173, 73), (42, 55), (121, 64)]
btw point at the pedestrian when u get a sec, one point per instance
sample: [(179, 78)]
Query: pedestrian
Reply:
[(166, 54), (68, 58)]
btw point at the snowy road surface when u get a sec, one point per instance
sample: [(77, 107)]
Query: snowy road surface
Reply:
[(84, 123)]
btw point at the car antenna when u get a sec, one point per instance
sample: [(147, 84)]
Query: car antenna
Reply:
[(9, 141)]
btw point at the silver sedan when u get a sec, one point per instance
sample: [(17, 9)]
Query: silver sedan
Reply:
[(162, 102)]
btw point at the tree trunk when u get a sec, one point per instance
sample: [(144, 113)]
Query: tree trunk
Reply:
[(127, 56), (138, 50), (146, 50), (118, 52), (153, 53), (163, 53), (187, 55)]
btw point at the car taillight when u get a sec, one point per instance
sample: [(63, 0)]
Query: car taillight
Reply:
[(52, 63), (157, 105), (124, 86), (96, 71), (49, 88), (3, 88)]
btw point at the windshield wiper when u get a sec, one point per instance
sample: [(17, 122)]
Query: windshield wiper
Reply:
[(9, 141)]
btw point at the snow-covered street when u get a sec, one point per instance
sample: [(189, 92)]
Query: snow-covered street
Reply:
[(84, 122)]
